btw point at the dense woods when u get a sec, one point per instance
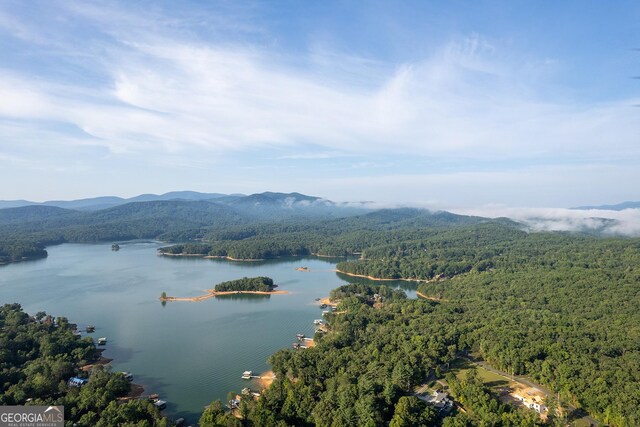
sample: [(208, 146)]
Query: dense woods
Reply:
[(39, 354), (257, 284), (20, 251), (563, 309), (363, 372)]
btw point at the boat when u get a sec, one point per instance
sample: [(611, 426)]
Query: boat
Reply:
[(323, 305), (160, 404), (325, 312), (246, 375), (90, 329), (127, 375), (246, 391), (295, 345), (102, 341), (300, 336), (317, 299), (318, 322)]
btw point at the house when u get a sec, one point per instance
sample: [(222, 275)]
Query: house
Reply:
[(438, 399), (531, 402), (77, 382)]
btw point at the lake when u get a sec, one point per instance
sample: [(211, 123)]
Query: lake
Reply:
[(189, 352)]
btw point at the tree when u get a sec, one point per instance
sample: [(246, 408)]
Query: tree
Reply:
[(411, 411)]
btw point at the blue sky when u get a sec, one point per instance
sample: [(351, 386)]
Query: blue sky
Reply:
[(444, 104)]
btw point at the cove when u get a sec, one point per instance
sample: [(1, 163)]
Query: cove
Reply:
[(189, 352)]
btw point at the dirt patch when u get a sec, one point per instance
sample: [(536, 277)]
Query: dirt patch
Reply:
[(265, 380)]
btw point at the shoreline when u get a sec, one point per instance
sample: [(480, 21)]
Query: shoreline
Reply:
[(211, 294), (381, 279), (265, 380), (330, 256), (136, 391), (328, 302), (228, 258)]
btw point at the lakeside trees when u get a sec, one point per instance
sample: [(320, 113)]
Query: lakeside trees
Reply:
[(37, 357), (19, 250), (254, 284), (560, 308)]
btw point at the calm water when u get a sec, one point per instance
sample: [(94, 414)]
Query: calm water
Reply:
[(189, 352)]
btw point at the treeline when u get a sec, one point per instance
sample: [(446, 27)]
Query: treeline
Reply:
[(363, 372), (337, 237), (259, 284), (20, 251), (482, 407), (39, 354), (563, 310), (226, 230), (46, 225)]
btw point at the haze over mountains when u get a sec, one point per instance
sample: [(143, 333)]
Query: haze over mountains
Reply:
[(181, 214), (617, 207), (102, 202)]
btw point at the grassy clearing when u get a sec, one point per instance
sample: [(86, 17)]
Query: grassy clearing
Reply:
[(460, 367)]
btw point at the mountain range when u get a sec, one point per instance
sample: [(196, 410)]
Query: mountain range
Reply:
[(618, 207), (103, 202)]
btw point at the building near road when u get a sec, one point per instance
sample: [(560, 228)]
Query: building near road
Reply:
[(531, 402)]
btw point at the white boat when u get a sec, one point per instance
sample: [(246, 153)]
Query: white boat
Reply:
[(246, 375), (102, 341)]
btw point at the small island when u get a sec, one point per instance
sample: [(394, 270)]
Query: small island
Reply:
[(247, 285)]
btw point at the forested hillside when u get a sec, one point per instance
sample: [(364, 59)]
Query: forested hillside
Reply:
[(185, 219), (336, 237), (561, 309), (39, 354)]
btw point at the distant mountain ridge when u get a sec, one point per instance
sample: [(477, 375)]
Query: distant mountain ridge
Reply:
[(103, 202), (182, 216), (617, 207)]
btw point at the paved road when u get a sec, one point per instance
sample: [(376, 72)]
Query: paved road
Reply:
[(528, 382)]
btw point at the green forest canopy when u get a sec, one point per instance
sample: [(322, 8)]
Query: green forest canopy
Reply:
[(253, 284), (39, 354)]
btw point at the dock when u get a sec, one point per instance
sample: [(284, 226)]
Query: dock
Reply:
[(247, 375)]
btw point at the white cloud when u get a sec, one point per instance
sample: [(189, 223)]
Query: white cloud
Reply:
[(157, 88), (171, 94), (625, 222)]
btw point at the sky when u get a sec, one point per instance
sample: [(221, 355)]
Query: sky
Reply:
[(442, 104)]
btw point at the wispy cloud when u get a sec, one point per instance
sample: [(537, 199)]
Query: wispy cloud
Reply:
[(164, 93), (204, 84), (313, 155)]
